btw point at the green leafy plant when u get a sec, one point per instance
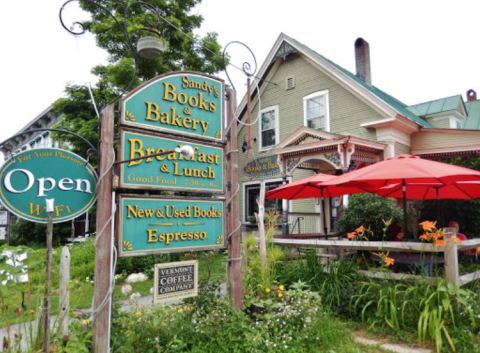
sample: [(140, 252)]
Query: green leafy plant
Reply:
[(337, 282), (438, 314), (369, 210)]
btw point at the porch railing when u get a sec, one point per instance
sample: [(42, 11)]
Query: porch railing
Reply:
[(303, 223)]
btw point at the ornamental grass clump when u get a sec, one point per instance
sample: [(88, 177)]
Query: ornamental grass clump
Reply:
[(255, 274), (441, 313)]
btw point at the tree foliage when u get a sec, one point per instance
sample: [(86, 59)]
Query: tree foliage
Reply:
[(125, 70)]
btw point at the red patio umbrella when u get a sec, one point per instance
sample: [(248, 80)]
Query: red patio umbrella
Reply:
[(411, 176), (460, 190), (311, 187)]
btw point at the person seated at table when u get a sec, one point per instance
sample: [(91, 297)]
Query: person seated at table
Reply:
[(461, 237), (395, 233)]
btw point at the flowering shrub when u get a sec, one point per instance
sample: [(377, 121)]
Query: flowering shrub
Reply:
[(369, 210), (292, 321)]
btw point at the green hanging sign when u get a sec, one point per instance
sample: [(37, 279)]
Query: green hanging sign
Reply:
[(160, 225), (185, 103), (203, 171), (31, 177)]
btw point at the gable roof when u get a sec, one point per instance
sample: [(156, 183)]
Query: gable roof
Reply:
[(383, 101), (439, 106)]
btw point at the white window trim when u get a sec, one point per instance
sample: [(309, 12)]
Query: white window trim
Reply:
[(248, 183), (327, 108), (453, 123), (277, 127)]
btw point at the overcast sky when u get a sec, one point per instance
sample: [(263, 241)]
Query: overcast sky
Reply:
[(419, 50)]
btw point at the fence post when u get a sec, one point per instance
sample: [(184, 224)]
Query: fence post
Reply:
[(64, 297), (451, 258)]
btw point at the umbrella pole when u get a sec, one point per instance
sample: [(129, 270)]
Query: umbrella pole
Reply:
[(438, 208), (404, 194), (324, 217)]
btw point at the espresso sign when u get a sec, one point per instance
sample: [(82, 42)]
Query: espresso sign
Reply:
[(175, 280), (31, 177), (182, 103), (160, 225), (203, 171)]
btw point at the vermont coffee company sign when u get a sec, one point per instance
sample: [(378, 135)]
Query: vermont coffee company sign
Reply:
[(203, 171), (184, 103), (31, 177), (162, 225), (175, 280)]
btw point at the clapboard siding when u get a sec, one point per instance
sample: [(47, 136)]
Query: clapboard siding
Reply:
[(347, 112), (428, 140), (400, 148), (440, 123), (305, 205)]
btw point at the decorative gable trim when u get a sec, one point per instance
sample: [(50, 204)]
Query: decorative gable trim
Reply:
[(304, 133), (284, 50)]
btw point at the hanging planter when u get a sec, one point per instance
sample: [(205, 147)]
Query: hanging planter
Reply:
[(150, 47)]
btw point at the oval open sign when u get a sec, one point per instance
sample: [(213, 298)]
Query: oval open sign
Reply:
[(31, 177)]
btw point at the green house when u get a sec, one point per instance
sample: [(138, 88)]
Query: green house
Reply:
[(308, 115)]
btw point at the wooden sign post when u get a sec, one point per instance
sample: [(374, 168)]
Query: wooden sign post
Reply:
[(233, 230), (103, 246)]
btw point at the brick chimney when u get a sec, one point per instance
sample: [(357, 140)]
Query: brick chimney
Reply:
[(471, 95), (362, 60)]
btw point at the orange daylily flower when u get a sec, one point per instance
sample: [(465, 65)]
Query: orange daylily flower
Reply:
[(440, 242), (428, 225), (424, 237), (436, 236), (351, 235), (360, 229), (388, 261)]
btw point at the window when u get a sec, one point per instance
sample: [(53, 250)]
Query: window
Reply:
[(455, 123), (252, 192), (3, 218), (268, 127), (315, 110)]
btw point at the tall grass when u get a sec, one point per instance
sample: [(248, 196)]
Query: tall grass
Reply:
[(435, 310)]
